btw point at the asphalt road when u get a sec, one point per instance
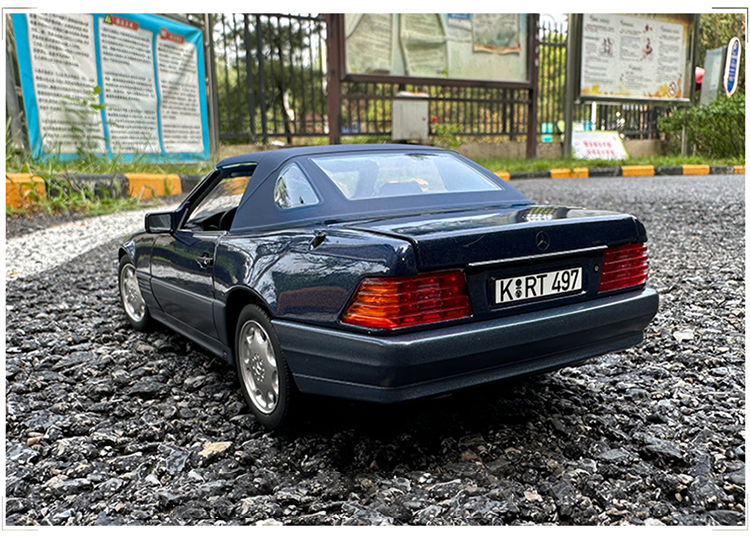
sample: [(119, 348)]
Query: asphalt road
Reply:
[(106, 425)]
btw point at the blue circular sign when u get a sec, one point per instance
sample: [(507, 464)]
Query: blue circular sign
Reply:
[(732, 65)]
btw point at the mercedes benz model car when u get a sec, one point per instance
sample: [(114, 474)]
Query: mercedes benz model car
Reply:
[(383, 273)]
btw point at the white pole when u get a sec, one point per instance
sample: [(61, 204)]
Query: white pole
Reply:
[(593, 116)]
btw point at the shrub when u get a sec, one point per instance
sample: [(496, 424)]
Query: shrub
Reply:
[(716, 129)]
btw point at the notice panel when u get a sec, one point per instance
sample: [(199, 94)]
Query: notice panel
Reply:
[(635, 57), (369, 41), (179, 110), (63, 70), (471, 46), (129, 85)]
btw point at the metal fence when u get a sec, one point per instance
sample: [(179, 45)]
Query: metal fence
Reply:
[(454, 111), (270, 75)]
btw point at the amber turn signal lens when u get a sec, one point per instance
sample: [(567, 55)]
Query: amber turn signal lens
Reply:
[(406, 301)]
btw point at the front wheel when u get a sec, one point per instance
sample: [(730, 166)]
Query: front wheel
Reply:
[(131, 298), (264, 377)]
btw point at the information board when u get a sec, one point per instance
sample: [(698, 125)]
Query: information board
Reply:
[(598, 145), (471, 46), (129, 85), (636, 56)]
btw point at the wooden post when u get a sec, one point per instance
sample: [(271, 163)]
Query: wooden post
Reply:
[(261, 80), (533, 63), (685, 149), (334, 43), (572, 58)]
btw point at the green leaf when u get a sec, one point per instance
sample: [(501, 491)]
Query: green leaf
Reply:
[(97, 90)]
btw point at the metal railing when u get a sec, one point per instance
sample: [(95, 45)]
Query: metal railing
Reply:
[(270, 77), (270, 72), (459, 111)]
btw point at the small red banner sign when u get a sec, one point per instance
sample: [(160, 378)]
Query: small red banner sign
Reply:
[(170, 36), (119, 21)]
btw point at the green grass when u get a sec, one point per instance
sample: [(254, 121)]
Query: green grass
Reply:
[(91, 164), (78, 199), (81, 199), (531, 165)]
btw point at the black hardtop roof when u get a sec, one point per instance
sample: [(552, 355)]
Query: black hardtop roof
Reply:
[(273, 158), (333, 205)]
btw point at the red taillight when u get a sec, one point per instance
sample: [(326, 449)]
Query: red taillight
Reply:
[(624, 266), (406, 301)]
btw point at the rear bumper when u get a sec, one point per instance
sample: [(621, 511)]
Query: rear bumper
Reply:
[(388, 369)]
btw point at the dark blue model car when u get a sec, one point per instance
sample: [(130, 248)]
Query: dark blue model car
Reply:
[(383, 273)]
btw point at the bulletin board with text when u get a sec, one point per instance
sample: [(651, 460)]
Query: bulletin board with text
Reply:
[(126, 85), (631, 57), (455, 46)]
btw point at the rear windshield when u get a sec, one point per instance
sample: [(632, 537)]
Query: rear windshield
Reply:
[(381, 175)]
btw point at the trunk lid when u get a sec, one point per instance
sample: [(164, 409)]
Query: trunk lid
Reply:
[(459, 239)]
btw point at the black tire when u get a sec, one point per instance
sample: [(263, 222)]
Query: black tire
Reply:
[(131, 298), (264, 377)]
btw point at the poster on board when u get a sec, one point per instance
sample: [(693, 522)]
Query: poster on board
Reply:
[(598, 145), (369, 38), (470, 46), (424, 44), (635, 56), (126, 85), (496, 32)]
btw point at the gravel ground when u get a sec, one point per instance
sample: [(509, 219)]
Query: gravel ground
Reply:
[(21, 224), (106, 425), (41, 242)]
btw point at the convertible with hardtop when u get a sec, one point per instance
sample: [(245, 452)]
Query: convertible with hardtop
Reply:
[(383, 273)]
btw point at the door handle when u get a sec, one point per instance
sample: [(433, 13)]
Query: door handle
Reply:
[(205, 260)]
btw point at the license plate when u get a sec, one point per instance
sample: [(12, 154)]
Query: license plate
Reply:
[(531, 286)]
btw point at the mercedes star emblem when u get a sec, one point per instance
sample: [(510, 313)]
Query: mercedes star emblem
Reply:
[(542, 240)]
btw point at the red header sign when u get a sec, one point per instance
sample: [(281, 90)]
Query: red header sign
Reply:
[(119, 21), (170, 36)]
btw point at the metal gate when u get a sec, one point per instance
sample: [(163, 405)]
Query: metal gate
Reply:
[(270, 73)]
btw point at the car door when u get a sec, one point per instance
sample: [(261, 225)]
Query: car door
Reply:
[(182, 262)]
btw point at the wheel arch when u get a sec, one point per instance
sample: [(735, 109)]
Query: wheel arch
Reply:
[(127, 248), (121, 252), (237, 299)]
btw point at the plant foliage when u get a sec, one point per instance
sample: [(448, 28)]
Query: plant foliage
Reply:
[(716, 129)]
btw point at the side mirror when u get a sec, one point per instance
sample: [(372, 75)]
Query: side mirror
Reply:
[(160, 222)]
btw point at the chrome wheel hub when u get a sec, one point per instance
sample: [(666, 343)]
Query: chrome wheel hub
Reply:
[(132, 300), (258, 370)]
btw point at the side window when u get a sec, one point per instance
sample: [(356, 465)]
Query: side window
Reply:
[(224, 196), (293, 189)]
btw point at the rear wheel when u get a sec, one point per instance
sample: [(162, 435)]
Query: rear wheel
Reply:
[(264, 377), (131, 298)]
